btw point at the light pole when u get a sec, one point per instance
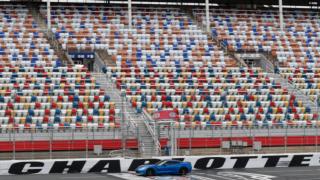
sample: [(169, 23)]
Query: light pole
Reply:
[(130, 14), (207, 17), (48, 15), (281, 15)]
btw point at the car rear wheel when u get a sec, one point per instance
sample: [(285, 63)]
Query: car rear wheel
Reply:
[(183, 171), (150, 172)]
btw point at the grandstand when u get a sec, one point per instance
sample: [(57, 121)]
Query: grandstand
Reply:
[(76, 75)]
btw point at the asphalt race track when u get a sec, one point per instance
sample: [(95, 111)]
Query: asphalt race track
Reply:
[(301, 173)]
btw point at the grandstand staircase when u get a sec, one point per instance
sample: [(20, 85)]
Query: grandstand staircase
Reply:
[(146, 140), (54, 43), (218, 43), (98, 63), (268, 67), (105, 57), (306, 101), (267, 64)]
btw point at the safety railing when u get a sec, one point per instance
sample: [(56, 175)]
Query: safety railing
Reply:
[(243, 140), (58, 143), (297, 91), (268, 66), (149, 120)]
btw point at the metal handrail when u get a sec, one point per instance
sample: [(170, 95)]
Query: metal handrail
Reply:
[(147, 121), (297, 90)]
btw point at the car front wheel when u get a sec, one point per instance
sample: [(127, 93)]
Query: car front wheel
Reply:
[(183, 171), (150, 172)]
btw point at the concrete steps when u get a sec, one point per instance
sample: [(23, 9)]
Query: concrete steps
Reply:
[(215, 40), (105, 57), (145, 137), (98, 63), (146, 142)]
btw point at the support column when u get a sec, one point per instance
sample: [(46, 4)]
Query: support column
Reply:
[(207, 17), (173, 140), (130, 14), (281, 15), (48, 15)]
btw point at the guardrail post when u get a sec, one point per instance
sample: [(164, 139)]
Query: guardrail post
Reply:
[(32, 142), (87, 141), (14, 143), (138, 137), (252, 137), (316, 143), (190, 143), (269, 138), (285, 140), (221, 138)]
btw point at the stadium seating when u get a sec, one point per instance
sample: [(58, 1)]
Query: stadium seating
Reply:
[(211, 96), (259, 31), (166, 62), (49, 96), (306, 80), (35, 90), (21, 42), (159, 37), (296, 49)]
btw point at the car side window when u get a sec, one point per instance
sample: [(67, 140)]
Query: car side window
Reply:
[(171, 163)]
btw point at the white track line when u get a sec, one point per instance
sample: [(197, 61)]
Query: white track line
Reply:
[(294, 170), (216, 176), (82, 177), (128, 176), (200, 177)]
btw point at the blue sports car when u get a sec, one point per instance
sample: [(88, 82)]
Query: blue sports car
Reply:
[(165, 167)]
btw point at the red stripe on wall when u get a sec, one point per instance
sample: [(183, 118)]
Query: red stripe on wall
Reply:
[(112, 144), (273, 141), (65, 145)]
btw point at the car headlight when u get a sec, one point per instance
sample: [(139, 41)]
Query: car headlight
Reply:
[(141, 168)]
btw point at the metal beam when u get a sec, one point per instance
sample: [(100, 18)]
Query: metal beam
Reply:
[(281, 15), (48, 15), (207, 17), (130, 14)]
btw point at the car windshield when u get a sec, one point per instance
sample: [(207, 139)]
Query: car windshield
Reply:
[(161, 163)]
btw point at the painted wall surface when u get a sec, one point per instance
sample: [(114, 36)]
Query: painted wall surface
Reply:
[(117, 165)]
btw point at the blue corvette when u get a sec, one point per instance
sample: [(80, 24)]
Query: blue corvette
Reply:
[(165, 167)]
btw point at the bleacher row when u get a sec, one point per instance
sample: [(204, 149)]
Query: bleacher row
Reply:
[(36, 91)]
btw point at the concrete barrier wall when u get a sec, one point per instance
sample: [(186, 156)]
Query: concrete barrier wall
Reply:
[(117, 165)]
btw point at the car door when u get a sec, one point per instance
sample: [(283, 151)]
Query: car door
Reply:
[(174, 167), (170, 167), (162, 168)]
